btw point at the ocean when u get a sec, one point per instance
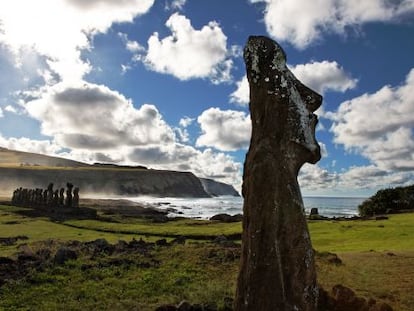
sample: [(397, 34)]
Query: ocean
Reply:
[(204, 208)]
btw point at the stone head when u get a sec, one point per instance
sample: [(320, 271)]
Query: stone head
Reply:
[(282, 106)]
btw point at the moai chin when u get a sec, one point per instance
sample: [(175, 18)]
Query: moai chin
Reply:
[(277, 270)]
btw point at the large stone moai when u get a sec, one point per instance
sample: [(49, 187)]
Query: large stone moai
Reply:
[(277, 270), (50, 195), (75, 202), (69, 197)]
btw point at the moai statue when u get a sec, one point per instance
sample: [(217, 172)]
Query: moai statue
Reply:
[(39, 197), (61, 197), (277, 269), (50, 195), (55, 202), (25, 197), (30, 195), (75, 202), (14, 197), (45, 196), (68, 202)]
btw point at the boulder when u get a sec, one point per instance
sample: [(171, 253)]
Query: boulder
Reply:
[(64, 254)]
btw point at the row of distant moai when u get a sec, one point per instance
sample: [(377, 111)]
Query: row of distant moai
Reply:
[(47, 198)]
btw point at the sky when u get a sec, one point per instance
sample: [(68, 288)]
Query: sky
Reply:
[(162, 83)]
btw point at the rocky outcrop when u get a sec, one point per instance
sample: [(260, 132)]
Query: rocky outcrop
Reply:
[(102, 181), (277, 269), (215, 188)]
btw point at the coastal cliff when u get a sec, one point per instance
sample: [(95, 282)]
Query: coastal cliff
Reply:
[(30, 170), (215, 188)]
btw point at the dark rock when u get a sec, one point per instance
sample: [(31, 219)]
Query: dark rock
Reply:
[(6, 261), (179, 240), (184, 306), (277, 269), (64, 254), (314, 211), (222, 217), (166, 308), (344, 299), (101, 246), (228, 304), (12, 240), (227, 218), (381, 307), (210, 307), (161, 242)]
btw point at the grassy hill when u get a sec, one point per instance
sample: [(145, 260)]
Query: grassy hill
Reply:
[(14, 158)]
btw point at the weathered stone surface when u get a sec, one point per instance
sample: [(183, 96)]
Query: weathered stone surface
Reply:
[(227, 217), (343, 298), (64, 254), (277, 269)]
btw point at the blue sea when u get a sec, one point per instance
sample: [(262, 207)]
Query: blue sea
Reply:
[(204, 208)]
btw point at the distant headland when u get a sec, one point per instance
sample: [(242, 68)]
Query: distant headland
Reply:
[(27, 170)]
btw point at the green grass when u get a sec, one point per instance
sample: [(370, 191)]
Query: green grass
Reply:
[(39, 229), (394, 234), (378, 262), (189, 228)]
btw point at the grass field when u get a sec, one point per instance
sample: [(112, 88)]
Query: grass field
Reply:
[(377, 256)]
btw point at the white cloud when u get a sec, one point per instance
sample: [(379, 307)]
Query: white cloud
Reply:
[(312, 177), (59, 29), (373, 177), (30, 145), (131, 45), (304, 22), (189, 53), (1, 113), (10, 108), (379, 125), (186, 121), (241, 95), (324, 76), (175, 5), (226, 130), (89, 116)]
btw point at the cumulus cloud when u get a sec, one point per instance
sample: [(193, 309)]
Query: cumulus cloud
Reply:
[(226, 130), (241, 95), (313, 177), (304, 22), (1, 113), (373, 177), (189, 53), (175, 5), (186, 121), (379, 125), (90, 116), (182, 131), (30, 145), (60, 29), (324, 76)]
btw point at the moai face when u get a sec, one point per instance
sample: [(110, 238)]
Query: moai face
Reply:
[(301, 123), (281, 93)]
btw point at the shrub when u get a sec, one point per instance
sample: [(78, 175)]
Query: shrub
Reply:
[(388, 201)]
